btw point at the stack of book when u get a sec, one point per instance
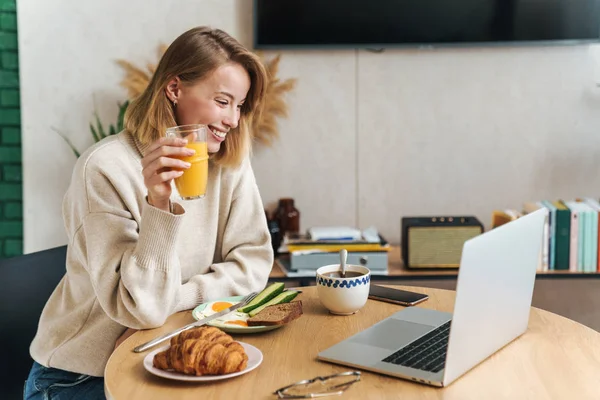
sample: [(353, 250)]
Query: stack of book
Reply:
[(571, 235), (303, 254)]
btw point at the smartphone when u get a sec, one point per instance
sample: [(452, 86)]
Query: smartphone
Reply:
[(396, 296)]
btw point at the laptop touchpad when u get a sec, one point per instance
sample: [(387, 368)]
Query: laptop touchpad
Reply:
[(392, 334)]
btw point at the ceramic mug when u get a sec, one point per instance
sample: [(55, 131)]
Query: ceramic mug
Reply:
[(343, 296)]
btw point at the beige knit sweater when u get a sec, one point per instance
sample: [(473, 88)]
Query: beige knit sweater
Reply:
[(132, 265)]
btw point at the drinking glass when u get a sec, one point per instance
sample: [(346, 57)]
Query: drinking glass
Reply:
[(191, 184)]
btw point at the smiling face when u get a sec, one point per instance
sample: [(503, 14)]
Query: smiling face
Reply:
[(215, 101)]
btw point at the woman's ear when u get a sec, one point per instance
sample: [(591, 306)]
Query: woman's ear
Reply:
[(173, 90)]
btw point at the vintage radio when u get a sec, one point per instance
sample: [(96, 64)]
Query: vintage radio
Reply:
[(436, 242)]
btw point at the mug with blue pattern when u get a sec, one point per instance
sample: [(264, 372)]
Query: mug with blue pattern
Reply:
[(344, 283), (343, 296)]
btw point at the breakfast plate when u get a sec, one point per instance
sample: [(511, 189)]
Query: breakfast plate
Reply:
[(234, 322), (255, 358)]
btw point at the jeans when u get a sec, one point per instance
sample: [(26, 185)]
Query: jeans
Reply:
[(55, 384)]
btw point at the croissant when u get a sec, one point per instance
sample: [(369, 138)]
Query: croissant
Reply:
[(202, 351), (209, 333)]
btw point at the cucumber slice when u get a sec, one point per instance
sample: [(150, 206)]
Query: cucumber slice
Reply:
[(267, 294), (284, 297)]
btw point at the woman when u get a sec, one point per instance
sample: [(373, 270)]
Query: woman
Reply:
[(136, 255)]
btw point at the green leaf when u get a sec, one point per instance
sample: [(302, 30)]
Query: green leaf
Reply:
[(66, 139), (122, 109), (94, 133), (100, 127), (97, 129)]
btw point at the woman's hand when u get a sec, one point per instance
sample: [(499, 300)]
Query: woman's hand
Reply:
[(161, 165)]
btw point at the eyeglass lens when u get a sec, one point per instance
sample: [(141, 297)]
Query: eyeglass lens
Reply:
[(330, 385)]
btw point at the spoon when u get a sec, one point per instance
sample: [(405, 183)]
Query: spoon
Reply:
[(343, 255)]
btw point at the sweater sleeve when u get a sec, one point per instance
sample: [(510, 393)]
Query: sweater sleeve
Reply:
[(246, 246), (133, 268)]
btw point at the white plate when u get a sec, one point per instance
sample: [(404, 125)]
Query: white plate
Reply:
[(224, 322), (255, 357)]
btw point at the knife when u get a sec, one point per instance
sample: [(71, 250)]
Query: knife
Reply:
[(200, 322)]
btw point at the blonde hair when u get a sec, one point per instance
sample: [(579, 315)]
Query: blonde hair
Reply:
[(192, 57)]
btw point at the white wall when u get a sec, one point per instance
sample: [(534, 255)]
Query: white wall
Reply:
[(370, 137)]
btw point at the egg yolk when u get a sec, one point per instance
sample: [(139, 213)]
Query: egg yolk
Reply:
[(237, 322), (220, 306)]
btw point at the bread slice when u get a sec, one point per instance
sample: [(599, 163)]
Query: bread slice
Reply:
[(277, 314)]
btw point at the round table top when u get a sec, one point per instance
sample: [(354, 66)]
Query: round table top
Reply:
[(556, 358)]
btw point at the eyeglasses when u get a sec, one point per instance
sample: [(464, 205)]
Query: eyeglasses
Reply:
[(320, 386)]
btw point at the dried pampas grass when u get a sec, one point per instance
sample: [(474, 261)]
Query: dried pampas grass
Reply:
[(136, 80), (264, 129)]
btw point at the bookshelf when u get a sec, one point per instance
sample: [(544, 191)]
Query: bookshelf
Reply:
[(398, 272)]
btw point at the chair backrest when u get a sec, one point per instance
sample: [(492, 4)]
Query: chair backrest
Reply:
[(27, 283)]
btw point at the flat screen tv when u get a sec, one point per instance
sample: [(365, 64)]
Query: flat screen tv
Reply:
[(280, 24)]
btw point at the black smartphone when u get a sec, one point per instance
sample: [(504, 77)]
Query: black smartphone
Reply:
[(396, 296)]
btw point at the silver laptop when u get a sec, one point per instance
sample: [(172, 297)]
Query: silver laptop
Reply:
[(493, 299)]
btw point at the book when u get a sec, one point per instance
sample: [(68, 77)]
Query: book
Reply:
[(335, 247), (591, 232), (595, 204), (585, 231), (370, 240), (562, 236), (335, 233), (552, 223), (576, 238)]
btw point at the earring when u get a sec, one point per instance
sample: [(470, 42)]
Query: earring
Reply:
[(175, 103)]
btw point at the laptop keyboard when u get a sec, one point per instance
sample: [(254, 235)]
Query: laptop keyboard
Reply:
[(428, 353)]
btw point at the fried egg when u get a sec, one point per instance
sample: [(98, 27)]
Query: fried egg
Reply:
[(220, 305), (233, 318), (214, 307), (236, 322)]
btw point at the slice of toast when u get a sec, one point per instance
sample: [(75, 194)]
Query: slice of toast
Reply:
[(277, 314)]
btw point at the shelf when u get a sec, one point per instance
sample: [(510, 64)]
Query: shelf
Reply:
[(397, 271)]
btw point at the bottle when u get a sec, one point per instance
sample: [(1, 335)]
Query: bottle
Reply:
[(287, 216), (273, 226)]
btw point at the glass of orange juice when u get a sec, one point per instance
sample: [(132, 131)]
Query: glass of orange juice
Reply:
[(192, 183)]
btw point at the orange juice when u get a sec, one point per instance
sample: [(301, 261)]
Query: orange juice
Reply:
[(192, 184)]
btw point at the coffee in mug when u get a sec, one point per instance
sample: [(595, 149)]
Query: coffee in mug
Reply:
[(338, 274)]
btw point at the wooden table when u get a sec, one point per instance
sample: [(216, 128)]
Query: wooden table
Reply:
[(555, 359)]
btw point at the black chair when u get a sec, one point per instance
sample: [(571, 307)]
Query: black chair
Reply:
[(27, 283)]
